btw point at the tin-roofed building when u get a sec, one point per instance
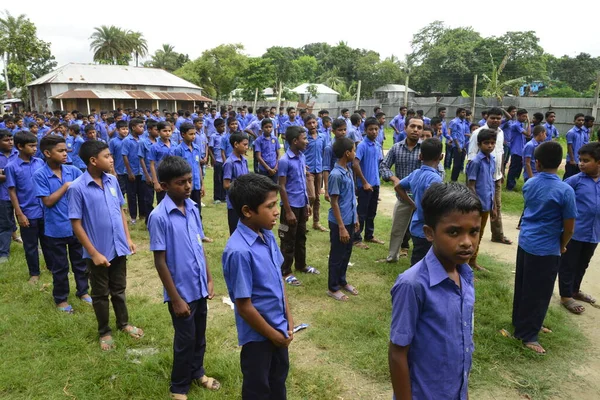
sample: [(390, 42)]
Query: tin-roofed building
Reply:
[(107, 87)]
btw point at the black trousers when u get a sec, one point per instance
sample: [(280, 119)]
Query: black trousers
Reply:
[(420, 248), (514, 171), (367, 210), (265, 368), (273, 177), (122, 179), (459, 161), (148, 199), (293, 241), (136, 194), (448, 156), (573, 265), (31, 236), (189, 346), (570, 170), (59, 265), (232, 220), (534, 284), (339, 257), (219, 192), (107, 281), (196, 196)]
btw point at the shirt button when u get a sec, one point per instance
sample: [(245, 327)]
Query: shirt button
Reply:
[(465, 324), (467, 349)]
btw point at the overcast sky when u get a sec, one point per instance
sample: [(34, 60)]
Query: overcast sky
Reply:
[(193, 27)]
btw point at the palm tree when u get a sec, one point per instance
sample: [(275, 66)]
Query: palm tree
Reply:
[(109, 44), (165, 58), (138, 44), (9, 27)]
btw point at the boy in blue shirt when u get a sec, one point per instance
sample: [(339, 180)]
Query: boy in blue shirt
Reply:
[(576, 137), (7, 220), (539, 137), (176, 234), (217, 157), (432, 301), (77, 141), (417, 183), (134, 185), (517, 134), (582, 246), (354, 132), (459, 129), (266, 148), (116, 149), (294, 205), (314, 161), (251, 262), (342, 219), (202, 142), (366, 168), (21, 190), (235, 166), (145, 145), (551, 131), (51, 182), (548, 223), (100, 224), (158, 151), (480, 179), (190, 152)]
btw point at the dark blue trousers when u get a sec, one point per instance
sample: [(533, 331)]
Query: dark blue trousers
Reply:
[(459, 162), (59, 264), (7, 221), (514, 171), (232, 220), (448, 156), (274, 178), (367, 210), (189, 346), (265, 368), (31, 236), (219, 192), (339, 257), (573, 265), (420, 248), (136, 197), (148, 199)]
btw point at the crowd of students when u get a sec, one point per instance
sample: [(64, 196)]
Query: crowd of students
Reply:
[(64, 177)]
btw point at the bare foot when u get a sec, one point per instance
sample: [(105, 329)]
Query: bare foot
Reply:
[(33, 280), (535, 346)]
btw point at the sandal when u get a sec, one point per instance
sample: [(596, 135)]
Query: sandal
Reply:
[(375, 240), (310, 270), (361, 245), (66, 309), (546, 330), (320, 228), (536, 347), (404, 252), (107, 344), (17, 239), (87, 299), (292, 281), (208, 383), (573, 306), (339, 296), (584, 297), (350, 289), (178, 396), (504, 240), (133, 331)]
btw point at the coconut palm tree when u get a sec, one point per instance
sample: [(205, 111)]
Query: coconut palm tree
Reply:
[(165, 58), (9, 27), (109, 44), (138, 45)]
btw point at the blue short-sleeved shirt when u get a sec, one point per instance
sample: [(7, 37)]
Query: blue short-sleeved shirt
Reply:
[(434, 316), (116, 149), (268, 147), (144, 153), (202, 142), (314, 153), (233, 168), (56, 218), (180, 237), (341, 183), (587, 195), (100, 212), (354, 135), (481, 170), (458, 132), (517, 138), (4, 161), (69, 143), (417, 182), (252, 270), (329, 159), (548, 202), (293, 167), (529, 151), (130, 149), (158, 151), (19, 174), (192, 156), (576, 137), (77, 161), (369, 154), (551, 131), (215, 143), (226, 145)]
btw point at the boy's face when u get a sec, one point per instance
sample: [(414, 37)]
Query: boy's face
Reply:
[(588, 124), (579, 122), (104, 161), (455, 237), (346, 114), (267, 129), (403, 111), (536, 121), (91, 134), (92, 120), (311, 125), (58, 153), (213, 113), (123, 131), (153, 132), (179, 188), (198, 125), (588, 165), (166, 133), (85, 120), (19, 123), (243, 113), (6, 143), (473, 128), (442, 114), (493, 121), (10, 125), (551, 118), (541, 137), (189, 136), (381, 120), (301, 142), (522, 117), (233, 126), (266, 215), (61, 129), (462, 114), (292, 115), (351, 154), (103, 117), (137, 129), (340, 132), (373, 131), (34, 129), (513, 113), (425, 135), (39, 121), (73, 132), (241, 147), (437, 127), (29, 149), (487, 146), (220, 128)]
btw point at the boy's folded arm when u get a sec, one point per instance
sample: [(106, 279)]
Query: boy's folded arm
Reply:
[(256, 321), (399, 371), (51, 200)]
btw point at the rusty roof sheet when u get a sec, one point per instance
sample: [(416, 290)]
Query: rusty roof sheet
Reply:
[(129, 94)]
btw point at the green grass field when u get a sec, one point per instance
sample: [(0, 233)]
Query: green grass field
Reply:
[(342, 355)]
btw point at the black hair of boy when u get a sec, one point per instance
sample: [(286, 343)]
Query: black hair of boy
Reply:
[(355, 119), (172, 167), (186, 126), (24, 138), (444, 198), (90, 149), (308, 117), (265, 122), (250, 190), (162, 125), (494, 111), (325, 119), (431, 149), (549, 113), (486, 134), (341, 146), (591, 149), (218, 122), (48, 142), (371, 121), (237, 137), (121, 124), (538, 116), (150, 123), (231, 120), (337, 124), (538, 129), (135, 121), (294, 132), (434, 121), (74, 128), (89, 128), (549, 154)]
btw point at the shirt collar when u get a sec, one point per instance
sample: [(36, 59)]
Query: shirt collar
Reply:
[(437, 273), (248, 234), (87, 178), (170, 205), (291, 154)]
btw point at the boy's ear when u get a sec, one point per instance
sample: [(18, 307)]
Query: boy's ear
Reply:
[(428, 231), (420, 157), (164, 186), (441, 157), (246, 212)]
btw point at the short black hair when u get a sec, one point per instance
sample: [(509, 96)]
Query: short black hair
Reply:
[(150, 123), (539, 116), (539, 129), (89, 128), (338, 123), (379, 115), (549, 154), (49, 142), (264, 122), (486, 134), (344, 110), (308, 117), (23, 138), (172, 167), (521, 111), (444, 198), (75, 128), (90, 149), (431, 149), (121, 124), (355, 118), (237, 137), (589, 118), (135, 121), (341, 146), (250, 190), (231, 120), (186, 126), (578, 115), (218, 122), (495, 111), (371, 121), (293, 132), (434, 121), (549, 113), (162, 125), (325, 119), (4, 133), (591, 149)]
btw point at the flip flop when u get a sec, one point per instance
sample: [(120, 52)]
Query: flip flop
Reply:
[(310, 270), (350, 289), (178, 396), (320, 228), (573, 306), (208, 383), (134, 332), (375, 240), (584, 297), (361, 245), (66, 309), (339, 296), (292, 281), (530, 346), (108, 342)]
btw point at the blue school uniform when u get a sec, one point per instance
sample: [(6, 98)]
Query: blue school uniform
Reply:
[(100, 212), (255, 127), (587, 194), (252, 270), (192, 156), (130, 149), (327, 135), (293, 167), (158, 151), (77, 161), (56, 218), (232, 169), (215, 143), (481, 170), (176, 137), (398, 123), (226, 145), (458, 132), (250, 118), (417, 182), (434, 316), (144, 153), (287, 124), (314, 153), (202, 142), (368, 152), (115, 147), (180, 237), (516, 138), (576, 137), (102, 129), (354, 135), (329, 159), (341, 183), (548, 201), (69, 142), (482, 122), (281, 119), (241, 122), (4, 161), (268, 147), (529, 151), (551, 131), (19, 174)]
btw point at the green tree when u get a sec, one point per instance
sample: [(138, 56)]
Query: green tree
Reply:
[(495, 86), (166, 58), (258, 74), (138, 45), (110, 45), (306, 68), (282, 59), (578, 72)]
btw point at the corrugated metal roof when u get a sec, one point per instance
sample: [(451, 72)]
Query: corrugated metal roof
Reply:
[(112, 74), (129, 94), (321, 89)]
